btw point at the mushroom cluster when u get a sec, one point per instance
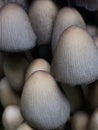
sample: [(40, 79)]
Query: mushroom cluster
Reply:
[(48, 66)]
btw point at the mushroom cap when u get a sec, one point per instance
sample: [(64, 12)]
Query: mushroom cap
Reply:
[(24, 126), (80, 121), (93, 123), (47, 106), (36, 65), (12, 117), (42, 15), (7, 95), (65, 18), (75, 61), (16, 33), (92, 30), (14, 68)]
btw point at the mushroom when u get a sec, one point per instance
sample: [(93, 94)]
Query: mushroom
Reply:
[(15, 66), (74, 96), (7, 95), (47, 106), (93, 122), (75, 61), (92, 30), (12, 117), (16, 33), (36, 65), (65, 18), (24, 126), (42, 14), (79, 121)]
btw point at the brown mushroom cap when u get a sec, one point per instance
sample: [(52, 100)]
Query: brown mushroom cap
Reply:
[(42, 15), (36, 65), (12, 117), (15, 66), (16, 33), (65, 18), (47, 106), (24, 126), (75, 59), (7, 95), (80, 121)]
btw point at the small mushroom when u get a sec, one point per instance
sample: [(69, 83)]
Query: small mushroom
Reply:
[(79, 121), (93, 122), (7, 95), (65, 18), (16, 33), (47, 106), (75, 61), (24, 126), (12, 117), (15, 66), (42, 14), (36, 65)]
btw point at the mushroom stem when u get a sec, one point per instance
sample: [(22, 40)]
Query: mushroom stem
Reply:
[(84, 90), (28, 56)]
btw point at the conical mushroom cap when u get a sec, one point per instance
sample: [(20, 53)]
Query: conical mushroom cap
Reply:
[(65, 18), (36, 65), (24, 126), (75, 60), (14, 68), (47, 106), (16, 33), (42, 15), (93, 123), (80, 121), (12, 117), (7, 95)]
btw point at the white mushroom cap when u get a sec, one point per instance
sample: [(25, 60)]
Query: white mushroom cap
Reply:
[(80, 121), (42, 15), (75, 59), (14, 68), (92, 30), (47, 106), (7, 95), (16, 33), (93, 123), (36, 65), (12, 117), (24, 126), (65, 18)]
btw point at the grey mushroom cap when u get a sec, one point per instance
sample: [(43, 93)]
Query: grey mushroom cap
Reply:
[(75, 60), (66, 17), (47, 106), (16, 33), (42, 14)]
